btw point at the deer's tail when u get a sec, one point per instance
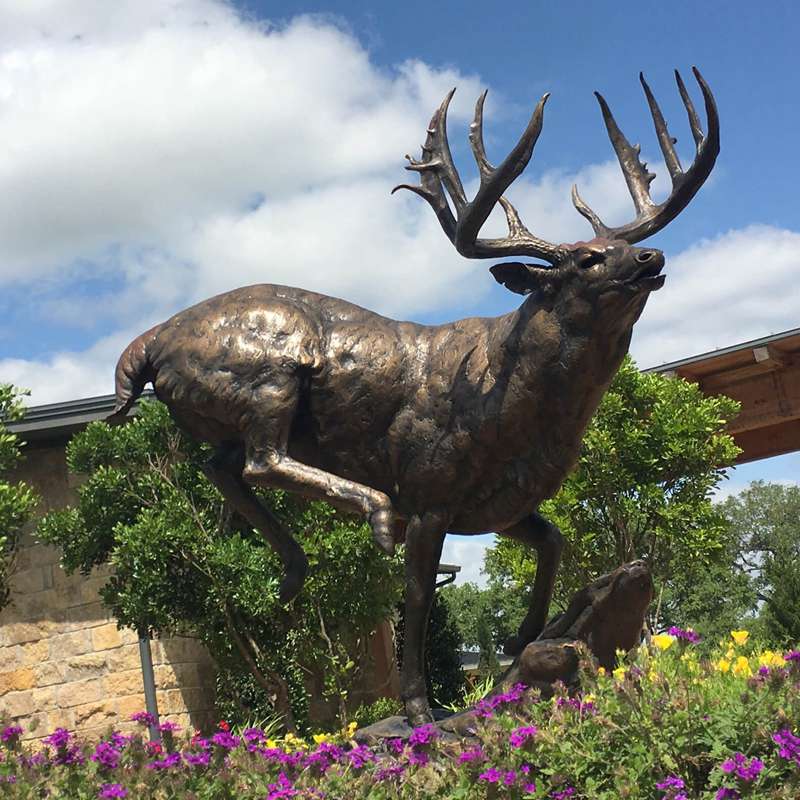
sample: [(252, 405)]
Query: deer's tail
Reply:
[(133, 371)]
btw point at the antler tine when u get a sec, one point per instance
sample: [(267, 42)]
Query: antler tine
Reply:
[(438, 174), (494, 181), (694, 120), (665, 141), (651, 218), (436, 170)]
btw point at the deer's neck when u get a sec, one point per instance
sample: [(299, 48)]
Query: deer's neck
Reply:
[(552, 364)]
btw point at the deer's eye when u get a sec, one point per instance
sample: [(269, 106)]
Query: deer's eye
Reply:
[(591, 260)]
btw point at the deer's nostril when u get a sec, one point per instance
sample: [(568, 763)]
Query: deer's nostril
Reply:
[(644, 256)]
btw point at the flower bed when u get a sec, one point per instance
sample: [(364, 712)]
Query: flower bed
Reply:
[(663, 726)]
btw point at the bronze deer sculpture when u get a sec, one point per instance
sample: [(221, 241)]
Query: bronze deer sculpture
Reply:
[(464, 427)]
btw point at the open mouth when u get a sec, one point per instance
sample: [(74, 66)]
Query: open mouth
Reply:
[(649, 276)]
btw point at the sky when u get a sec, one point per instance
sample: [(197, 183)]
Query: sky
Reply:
[(157, 152)]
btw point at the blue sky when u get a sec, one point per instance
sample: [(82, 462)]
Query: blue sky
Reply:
[(160, 151)]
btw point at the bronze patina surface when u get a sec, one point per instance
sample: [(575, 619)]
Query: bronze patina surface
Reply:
[(464, 427)]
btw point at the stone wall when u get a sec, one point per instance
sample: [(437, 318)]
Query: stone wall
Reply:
[(63, 663)]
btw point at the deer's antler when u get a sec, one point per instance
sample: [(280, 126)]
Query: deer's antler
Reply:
[(650, 217), (438, 175)]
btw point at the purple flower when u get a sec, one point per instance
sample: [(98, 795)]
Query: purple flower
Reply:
[(671, 786), (792, 655), (509, 778), (418, 758), (169, 727), (491, 775), (519, 736), (745, 770), (143, 718), (425, 734), (110, 790), (253, 735), (58, 738), (10, 734), (727, 794), (198, 759), (360, 756), (529, 788), (788, 745), (486, 707), (563, 794), (688, 635), (472, 754), (168, 762), (106, 755), (387, 773), (283, 788), (226, 740), (119, 740)]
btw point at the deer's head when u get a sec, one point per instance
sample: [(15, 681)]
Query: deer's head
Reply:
[(606, 274)]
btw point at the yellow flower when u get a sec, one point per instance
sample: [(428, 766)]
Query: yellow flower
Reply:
[(589, 698), (663, 641), (601, 671), (619, 673), (742, 667), (271, 744), (769, 658), (723, 665), (740, 637), (319, 738), (351, 729), (652, 675), (294, 742)]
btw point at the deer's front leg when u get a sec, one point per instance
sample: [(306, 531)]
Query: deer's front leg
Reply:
[(424, 540), (539, 533)]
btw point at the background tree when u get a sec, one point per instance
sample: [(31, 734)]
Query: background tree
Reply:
[(650, 461), (484, 617), (443, 673), (765, 524), (184, 564), (17, 500)]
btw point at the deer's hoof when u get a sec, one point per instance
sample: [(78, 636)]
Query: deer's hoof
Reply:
[(382, 524)]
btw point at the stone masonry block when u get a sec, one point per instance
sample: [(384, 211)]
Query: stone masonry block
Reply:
[(122, 658), (19, 632), (106, 637), (61, 718), (32, 653), (89, 665), (18, 704), (101, 712), (44, 699), (87, 615), (130, 705), (27, 581), (17, 680), (70, 644), (177, 676), (124, 683), (81, 692), (49, 673)]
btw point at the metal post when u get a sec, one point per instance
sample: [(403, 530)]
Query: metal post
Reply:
[(148, 677)]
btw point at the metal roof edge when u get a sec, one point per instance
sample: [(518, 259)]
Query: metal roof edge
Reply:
[(683, 362)]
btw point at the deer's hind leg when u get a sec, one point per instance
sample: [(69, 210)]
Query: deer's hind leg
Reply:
[(224, 470), (268, 464), (539, 533)]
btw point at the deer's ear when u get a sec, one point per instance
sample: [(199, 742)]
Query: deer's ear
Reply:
[(518, 277)]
